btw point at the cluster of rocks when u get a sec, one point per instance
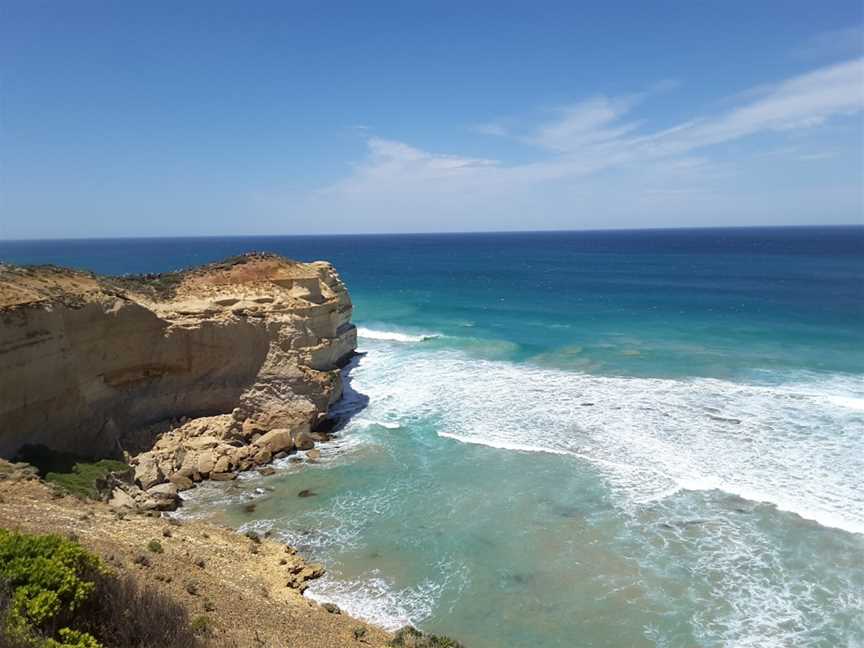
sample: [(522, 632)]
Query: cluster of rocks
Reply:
[(15, 471), (299, 571), (214, 448)]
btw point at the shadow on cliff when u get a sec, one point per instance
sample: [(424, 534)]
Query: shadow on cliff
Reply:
[(352, 401)]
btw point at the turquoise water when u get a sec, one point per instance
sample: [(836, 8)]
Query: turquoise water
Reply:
[(579, 439)]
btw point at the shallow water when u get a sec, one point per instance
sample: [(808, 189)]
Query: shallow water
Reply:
[(599, 439)]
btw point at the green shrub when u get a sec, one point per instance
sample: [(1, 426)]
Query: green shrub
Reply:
[(72, 639), (409, 637), (71, 473), (155, 546), (55, 594), (49, 578)]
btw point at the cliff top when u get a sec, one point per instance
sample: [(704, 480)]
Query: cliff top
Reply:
[(22, 285)]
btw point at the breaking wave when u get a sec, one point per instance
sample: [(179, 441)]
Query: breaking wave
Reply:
[(798, 445), (394, 336)]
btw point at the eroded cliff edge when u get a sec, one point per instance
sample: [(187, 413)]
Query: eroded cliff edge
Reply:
[(221, 367)]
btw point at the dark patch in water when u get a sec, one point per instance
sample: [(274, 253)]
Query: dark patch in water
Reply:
[(520, 580), (570, 512), (724, 419), (306, 493)]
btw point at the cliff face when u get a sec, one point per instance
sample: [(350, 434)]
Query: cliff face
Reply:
[(99, 366)]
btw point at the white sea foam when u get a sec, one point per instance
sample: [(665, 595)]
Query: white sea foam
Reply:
[(748, 594), (376, 599), (394, 336), (798, 445), (796, 442), (390, 425)]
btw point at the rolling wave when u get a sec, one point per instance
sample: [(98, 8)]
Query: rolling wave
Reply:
[(394, 336), (797, 445)]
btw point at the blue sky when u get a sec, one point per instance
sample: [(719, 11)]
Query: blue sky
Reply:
[(208, 118)]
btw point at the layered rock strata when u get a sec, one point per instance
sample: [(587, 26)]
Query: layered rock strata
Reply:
[(189, 376)]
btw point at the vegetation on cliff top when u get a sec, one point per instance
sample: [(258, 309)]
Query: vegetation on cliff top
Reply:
[(73, 474), (56, 594), (163, 285)]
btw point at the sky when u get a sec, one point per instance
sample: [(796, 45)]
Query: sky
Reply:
[(228, 118)]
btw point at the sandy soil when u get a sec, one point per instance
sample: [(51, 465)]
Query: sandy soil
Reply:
[(241, 587)]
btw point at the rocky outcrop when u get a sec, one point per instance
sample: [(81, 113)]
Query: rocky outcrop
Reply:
[(190, 375)]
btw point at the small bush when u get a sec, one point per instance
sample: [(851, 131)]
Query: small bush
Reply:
[(55, 594), (49, 579), (155, 546), (409, 637), (200, 624)]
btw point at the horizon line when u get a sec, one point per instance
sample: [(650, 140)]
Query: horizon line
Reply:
[(431, 233)]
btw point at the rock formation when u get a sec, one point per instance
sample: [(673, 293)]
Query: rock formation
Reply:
[(189, 375)]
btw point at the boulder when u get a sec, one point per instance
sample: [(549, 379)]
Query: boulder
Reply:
[(263, 456), (276, 440), (205, 462), (165, 496), (120, 499), (250, 428), (147, 472), (182, 482), (163, 490), (299, 573), (303, 440), (223, 465), (313, 455), (201, 443)]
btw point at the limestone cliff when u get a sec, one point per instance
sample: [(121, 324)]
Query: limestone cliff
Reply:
[(105, 366)]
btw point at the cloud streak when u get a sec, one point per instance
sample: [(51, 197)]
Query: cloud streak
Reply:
[(597, 135)]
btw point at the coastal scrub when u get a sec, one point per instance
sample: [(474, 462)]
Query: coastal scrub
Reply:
[(56, 594)]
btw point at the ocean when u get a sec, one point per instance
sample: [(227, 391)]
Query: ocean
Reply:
[(559, 439)]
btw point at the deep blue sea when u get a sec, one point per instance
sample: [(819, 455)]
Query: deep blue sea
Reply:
[(620, 438)]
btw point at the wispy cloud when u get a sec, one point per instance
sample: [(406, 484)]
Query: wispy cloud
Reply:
[(587, 123), (599, 134), (596, 127)]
